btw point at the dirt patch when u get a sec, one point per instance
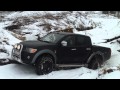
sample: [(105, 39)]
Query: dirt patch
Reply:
[(4, 61), (12, 27), (82, 28), (7, 61), (20, 21), (69, 30), (3, 50), (20, 37), (112, 39)]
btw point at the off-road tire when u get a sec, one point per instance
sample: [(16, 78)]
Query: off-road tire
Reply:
[(44, 65), (95, 63)]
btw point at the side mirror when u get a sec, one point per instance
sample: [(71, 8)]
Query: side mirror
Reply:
[(64, 43)]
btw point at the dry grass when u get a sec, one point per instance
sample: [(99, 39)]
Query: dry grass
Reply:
[(18, 22), (20, 37)]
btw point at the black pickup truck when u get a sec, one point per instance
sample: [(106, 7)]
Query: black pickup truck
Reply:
[(60, 49)]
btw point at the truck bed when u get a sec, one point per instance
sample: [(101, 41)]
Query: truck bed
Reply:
[(106, 51)]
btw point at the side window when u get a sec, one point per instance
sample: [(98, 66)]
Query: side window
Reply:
[(70, 41), (80, 41)]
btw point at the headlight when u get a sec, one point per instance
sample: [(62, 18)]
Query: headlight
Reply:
[(18, 47), (32, 50), (15, 46)]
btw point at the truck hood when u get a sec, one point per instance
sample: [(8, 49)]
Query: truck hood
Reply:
[(35, 43)]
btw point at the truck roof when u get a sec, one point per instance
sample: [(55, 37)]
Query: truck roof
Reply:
[(67, 33)]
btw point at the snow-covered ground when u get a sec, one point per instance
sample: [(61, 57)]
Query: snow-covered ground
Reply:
[(106, 27)]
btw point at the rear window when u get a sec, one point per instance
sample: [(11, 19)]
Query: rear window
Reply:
[(82, 41)]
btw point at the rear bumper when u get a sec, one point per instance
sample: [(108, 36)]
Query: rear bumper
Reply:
[(107, 54)]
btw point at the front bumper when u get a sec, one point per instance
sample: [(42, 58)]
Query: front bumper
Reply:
[(16, 59)]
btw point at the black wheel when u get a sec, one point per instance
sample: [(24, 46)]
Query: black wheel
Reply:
[(95, 63), (44, 65)]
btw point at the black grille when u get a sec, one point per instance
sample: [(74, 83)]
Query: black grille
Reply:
[(16, 52)]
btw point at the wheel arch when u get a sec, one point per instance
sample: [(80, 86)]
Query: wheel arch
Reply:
[(43, 52), (100, 54)]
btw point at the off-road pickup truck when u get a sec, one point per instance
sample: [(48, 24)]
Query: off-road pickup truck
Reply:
[(60, 49)]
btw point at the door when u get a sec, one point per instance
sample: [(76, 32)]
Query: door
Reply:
[(83, 48), (67, 54), (77, 50)]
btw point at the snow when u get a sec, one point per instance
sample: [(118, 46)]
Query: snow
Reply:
[(6, 36), (105, 27), (109, 29), (27, 72), (3, 55), (113, 75), (30, 13)]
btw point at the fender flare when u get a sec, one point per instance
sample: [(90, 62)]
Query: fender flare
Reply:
[(93, 54), (43, 52)]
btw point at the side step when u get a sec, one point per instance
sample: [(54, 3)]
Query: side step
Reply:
[(71, 65)]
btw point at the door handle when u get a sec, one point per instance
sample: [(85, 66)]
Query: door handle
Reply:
[(73, 49), (88, 48)]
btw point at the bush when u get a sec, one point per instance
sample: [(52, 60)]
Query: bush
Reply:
[(12, 27), (70, 30), (23, 21)]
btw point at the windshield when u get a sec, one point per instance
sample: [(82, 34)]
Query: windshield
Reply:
[(52, 37)]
